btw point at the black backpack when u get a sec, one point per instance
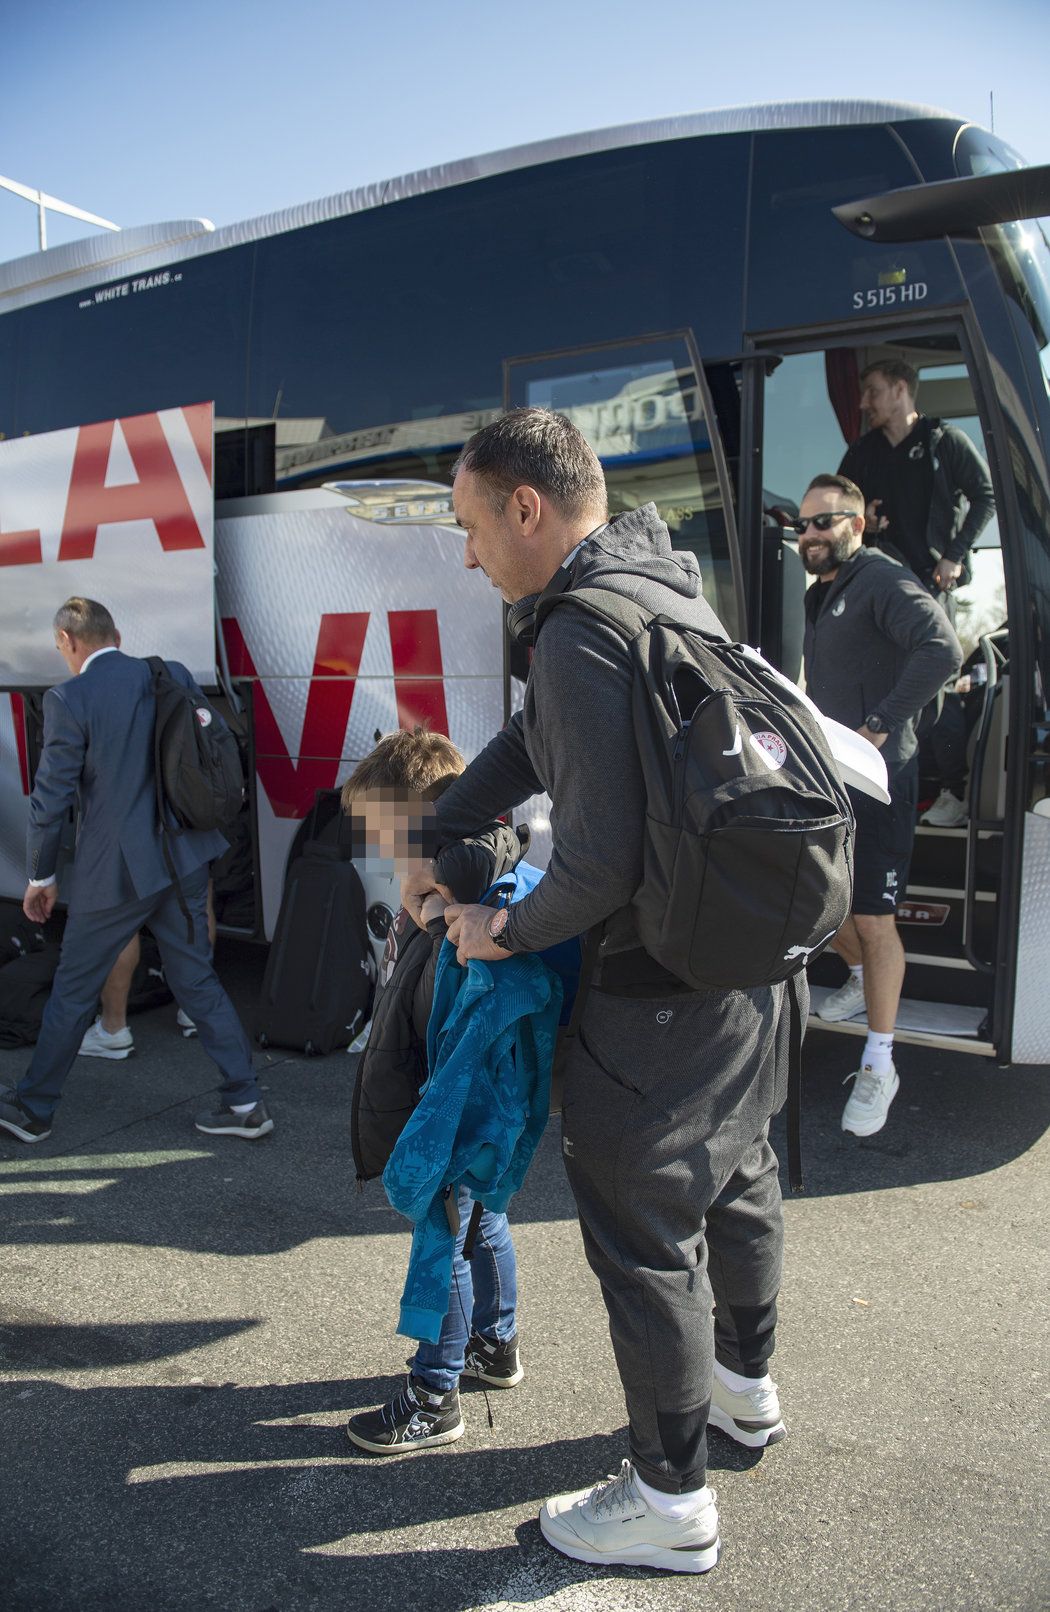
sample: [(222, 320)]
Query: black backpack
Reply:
[(197, 763), (748, 854)]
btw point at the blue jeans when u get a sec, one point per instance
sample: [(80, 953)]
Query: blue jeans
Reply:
[(483, 1298)]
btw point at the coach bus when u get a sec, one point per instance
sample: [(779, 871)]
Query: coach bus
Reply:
[(700, 295)]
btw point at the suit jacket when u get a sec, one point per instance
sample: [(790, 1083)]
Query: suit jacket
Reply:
[(98, 748)]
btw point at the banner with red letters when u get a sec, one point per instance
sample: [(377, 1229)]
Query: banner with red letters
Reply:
[(120, 511)]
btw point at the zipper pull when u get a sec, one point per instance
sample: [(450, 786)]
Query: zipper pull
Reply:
[(680, 742)]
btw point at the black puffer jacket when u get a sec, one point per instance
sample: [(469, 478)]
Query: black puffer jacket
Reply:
[(393, 1066)]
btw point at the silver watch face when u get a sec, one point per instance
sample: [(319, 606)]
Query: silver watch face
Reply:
[(498, 923)]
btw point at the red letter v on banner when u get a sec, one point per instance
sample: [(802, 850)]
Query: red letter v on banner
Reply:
[(291, 786)]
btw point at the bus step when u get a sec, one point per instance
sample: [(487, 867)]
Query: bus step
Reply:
[(946, 1024)]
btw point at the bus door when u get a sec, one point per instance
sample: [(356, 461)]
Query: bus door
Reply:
[(808, 402), (644, 406)]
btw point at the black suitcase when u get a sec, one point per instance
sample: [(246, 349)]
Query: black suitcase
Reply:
[(320, 975)]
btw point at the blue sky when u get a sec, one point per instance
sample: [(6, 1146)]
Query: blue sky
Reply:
[(226, 109)]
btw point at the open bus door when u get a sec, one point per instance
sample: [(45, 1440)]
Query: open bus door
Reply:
[(960, 948)]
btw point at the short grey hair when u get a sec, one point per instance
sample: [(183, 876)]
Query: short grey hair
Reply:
[(86, 619), (537, 448)]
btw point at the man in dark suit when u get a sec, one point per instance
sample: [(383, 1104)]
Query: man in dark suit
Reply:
[(98, 747)]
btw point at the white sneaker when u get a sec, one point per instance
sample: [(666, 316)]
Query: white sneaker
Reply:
[(870, 1100), (947, 811), (99, 1043), (751, 1417), (184, 1024), (612, 1523), (845, 1003)]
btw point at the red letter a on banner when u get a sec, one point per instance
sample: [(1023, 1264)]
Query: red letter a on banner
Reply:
[(157, 496)]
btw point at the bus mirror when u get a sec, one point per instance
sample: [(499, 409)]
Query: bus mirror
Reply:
[(957, 207)]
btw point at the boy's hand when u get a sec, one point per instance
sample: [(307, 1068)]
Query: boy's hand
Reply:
[(468, 930), (434, 906), (416, 886)]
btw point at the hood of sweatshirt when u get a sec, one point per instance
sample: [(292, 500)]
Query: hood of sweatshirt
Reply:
[(633, 556)]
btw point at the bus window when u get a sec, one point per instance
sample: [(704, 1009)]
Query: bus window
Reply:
[(642, 409)]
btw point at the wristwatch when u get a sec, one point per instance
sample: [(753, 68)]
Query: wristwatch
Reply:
[(497, 927), (876, 723)]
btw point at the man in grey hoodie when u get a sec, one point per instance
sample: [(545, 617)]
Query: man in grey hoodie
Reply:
[(668, 1092), (877, 650)]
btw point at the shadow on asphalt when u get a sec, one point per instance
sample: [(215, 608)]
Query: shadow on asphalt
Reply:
[(124, 1165), (31, 1341), (179, 1481), (954, 1116)]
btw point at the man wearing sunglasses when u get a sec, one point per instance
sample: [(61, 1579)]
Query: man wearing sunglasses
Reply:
[(877, 649)]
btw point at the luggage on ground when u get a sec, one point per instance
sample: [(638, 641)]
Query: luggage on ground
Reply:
[(320, 975)]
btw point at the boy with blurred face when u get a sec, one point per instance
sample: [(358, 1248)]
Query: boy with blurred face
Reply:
[(390, 798)]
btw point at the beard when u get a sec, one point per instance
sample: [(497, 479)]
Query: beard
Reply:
[(826, 554)]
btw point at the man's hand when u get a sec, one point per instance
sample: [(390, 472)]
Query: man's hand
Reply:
[(873, 521), (946, 574), (38, 903), (415, 887), (877, 739), (468, 930)]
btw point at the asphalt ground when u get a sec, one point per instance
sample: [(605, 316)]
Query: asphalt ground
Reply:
[(185, 1323)]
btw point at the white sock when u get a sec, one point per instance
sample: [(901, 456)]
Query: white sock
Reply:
[(674, 1507), (878, 1052), (738, 1384), (857, 970), (241, 1108)]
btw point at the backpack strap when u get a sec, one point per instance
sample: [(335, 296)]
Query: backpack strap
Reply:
[(626, 615), (158, 669), (794, 1092), (477, 1209)]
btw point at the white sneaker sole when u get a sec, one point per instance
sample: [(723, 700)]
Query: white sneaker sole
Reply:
[(232, 1130), (12, 1129), (688, 1559), (105, 1052), (871, 1127), (753, 1438), (833, 1015), (412, 1447), (478, 1376)]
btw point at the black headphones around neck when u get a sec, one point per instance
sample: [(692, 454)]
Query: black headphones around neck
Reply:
[(521, 616)]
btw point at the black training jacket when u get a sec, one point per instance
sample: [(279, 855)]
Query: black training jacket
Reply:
[(877, 643), (393, 1066)]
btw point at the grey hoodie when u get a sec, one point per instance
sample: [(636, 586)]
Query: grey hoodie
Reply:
[(877, 642), (574, 738)]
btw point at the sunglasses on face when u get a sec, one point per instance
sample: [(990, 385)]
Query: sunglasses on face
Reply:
[(822, 523)]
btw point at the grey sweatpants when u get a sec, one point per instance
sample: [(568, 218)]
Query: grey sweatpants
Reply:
[(665, 1125)]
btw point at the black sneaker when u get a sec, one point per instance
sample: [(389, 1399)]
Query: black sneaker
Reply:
[(224, 1122), (18, 1121), (494, 1363), (415, 1419)]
